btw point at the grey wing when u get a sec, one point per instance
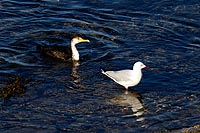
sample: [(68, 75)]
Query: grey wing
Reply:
[(123, 75)]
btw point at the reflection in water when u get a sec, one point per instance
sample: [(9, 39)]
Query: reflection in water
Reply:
[(75, 75), (130, 99)]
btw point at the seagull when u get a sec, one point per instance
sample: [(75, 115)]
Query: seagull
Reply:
[(127, 78), (62, 52)]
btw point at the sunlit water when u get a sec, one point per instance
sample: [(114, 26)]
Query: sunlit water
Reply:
[(63, 96)]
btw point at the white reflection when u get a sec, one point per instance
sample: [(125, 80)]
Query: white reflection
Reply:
[(130, 99), (75, 75)]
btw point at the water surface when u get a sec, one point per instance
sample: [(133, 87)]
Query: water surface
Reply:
[(66, 97)]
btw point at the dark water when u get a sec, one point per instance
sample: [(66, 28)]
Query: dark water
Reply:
[(63, 97)]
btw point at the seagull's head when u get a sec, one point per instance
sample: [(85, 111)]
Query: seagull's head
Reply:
[(139, 65), (78, 39)]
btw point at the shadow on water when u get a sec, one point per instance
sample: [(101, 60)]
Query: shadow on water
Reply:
[(63, 96)]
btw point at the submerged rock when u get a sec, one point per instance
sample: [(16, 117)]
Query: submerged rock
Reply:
[(194, 129), (15, 86)]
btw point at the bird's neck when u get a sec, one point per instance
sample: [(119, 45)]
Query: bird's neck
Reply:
[(75, 54), (137, 73)]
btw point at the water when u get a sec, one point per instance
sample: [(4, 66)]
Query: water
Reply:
[(78, 98)]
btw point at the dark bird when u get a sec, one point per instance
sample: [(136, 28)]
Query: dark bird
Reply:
[(63, 52)]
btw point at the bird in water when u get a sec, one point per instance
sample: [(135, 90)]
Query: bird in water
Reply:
[(127, 78), (62, 52)]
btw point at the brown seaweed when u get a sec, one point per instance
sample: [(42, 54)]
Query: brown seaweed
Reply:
[(15, 86)]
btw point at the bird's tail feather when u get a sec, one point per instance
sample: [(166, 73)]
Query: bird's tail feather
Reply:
[(103, 70)]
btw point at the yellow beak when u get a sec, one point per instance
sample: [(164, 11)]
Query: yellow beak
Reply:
[(83, 40)]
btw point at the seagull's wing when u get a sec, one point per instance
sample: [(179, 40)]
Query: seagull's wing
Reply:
[(118, 76)]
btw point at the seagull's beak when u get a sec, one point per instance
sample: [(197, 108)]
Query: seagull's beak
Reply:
[(83, 40), (147, 67)]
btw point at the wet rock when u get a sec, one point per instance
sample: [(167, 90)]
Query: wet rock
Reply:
[(15, 86), (194, 129)]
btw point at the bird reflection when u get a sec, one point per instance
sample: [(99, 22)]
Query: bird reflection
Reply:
[(75, 75), (130, 99)]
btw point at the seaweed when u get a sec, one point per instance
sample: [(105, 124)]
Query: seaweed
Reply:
[(15, 86)]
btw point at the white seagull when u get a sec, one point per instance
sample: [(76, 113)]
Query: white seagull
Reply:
[(127, 78)]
